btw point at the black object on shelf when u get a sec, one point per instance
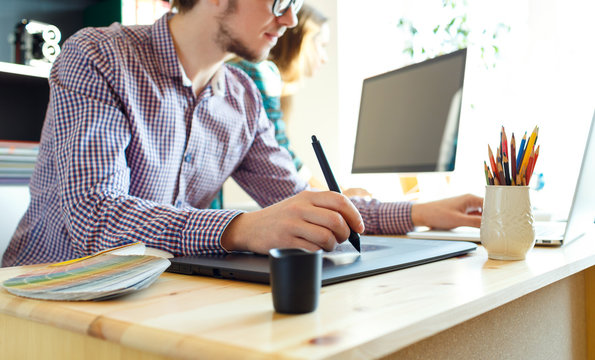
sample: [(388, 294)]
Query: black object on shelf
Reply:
[(24, 96)]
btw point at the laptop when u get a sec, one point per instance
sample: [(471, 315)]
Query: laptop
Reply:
[(580, 218), (379, 255)]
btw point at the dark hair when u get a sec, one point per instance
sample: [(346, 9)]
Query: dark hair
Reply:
[(183, 5)]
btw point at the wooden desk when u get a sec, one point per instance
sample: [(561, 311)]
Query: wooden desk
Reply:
[(467, 307)]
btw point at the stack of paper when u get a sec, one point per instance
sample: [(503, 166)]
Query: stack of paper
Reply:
[(17, 160), (97, 277)]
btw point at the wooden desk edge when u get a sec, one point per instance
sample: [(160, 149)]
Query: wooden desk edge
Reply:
[(402, 338), (43, 312)]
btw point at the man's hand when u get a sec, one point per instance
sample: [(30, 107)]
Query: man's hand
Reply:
[(309, 220), (464, 210), (356, 192)]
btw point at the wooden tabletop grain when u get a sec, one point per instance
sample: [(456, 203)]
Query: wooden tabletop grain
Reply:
[(181, 316)]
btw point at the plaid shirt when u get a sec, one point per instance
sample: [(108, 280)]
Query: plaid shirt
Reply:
[(267, 78), (129, 153)]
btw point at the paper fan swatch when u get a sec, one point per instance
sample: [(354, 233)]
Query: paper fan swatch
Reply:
[(96, 277)]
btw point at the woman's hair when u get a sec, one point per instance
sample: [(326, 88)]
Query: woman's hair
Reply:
[(289, 52)]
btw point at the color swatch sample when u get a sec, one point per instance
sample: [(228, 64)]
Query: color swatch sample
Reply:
[(96, 277)]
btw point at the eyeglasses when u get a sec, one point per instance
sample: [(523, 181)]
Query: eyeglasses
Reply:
[(280, 7)]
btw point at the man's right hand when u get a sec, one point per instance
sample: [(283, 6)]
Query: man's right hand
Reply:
[(310, 220)]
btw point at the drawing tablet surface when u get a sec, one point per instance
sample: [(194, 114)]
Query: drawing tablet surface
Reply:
[(379, 255)]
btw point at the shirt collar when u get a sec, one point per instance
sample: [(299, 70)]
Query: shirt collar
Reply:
[(164, 47), (169, 62), (218, 82)]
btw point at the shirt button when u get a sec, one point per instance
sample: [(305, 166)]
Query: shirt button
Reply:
[(188, 158), (179, 203)]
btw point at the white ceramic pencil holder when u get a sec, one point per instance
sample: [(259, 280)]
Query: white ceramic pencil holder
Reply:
[(507, 223)]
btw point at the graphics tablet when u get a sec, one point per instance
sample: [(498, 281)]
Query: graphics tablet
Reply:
[(379, 255)]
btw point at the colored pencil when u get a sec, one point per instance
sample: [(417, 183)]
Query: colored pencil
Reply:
[(512, 166), (500, 147), (492, 162), (506, 171), (499, 165), (520, 154), (534, 160), (523, 176), (504, 142), (501, 177), (529, 149), (513, 160), (529, 164)]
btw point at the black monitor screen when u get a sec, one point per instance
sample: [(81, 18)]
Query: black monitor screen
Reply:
[(409, 117), (23, 103)]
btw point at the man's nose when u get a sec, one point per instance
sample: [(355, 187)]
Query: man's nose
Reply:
[(289, 19)]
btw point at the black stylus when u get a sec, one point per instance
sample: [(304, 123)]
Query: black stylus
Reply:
[(332, 183)]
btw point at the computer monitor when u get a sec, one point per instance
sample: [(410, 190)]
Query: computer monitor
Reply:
[(409, 117), (24, 96)]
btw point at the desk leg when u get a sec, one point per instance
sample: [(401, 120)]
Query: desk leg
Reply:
[(590, 310)]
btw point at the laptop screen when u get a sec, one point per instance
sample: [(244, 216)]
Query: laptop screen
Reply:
[(409, 117), (582, 212)]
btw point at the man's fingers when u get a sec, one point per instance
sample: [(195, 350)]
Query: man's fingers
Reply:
[(328, 220), (300, 243), (470, 220), (317, 235), (473, 202), (341, 204)]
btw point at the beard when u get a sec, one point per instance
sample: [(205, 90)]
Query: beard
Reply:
[(229, 42)]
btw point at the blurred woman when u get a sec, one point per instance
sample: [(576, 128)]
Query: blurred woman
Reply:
[(301, 52), (298, 54)]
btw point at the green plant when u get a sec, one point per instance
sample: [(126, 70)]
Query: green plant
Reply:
[(451, 33)]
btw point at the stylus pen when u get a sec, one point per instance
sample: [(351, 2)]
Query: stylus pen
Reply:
[(332, 184)]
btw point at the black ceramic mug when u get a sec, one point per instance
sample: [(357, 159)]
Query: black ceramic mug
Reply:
[(296, 276)]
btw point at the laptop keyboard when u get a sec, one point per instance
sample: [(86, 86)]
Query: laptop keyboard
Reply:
[(549, 229)]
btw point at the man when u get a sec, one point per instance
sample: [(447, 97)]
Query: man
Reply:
[(145, 124)]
